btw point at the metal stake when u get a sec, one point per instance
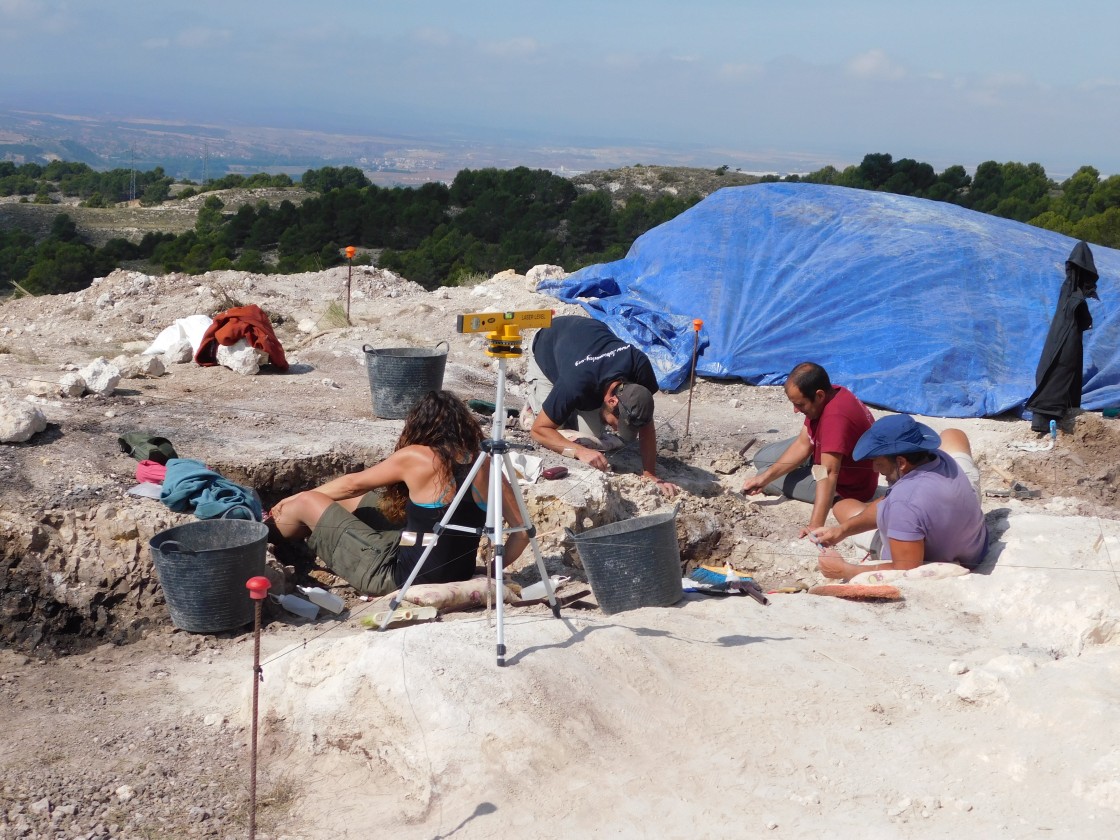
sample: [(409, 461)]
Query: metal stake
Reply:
[(258, 591), (696, 325), (350, 251)]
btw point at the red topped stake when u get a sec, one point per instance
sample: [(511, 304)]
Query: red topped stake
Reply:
[(258, 587)]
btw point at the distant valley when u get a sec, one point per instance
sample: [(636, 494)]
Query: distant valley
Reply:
[(199, 152)]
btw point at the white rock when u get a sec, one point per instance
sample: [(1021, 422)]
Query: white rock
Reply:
[(72, 385), (899, 808), (125, 793), (127, 366), (180, 352), (101, 377), (241, 358), (43, 389), (956, 667), (982, 686), (152, 366), (19, 421), (544, 272), (307, 325), (104, 301)]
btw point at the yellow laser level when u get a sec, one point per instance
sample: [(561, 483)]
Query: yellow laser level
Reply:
[(503, 328)]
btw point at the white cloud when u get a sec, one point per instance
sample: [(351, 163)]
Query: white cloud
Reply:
[(13, 10), (432, 36), (512, 47), (34, 16), (998, 89), (200, 37), (155, 43), (742, 71), (626, 61), (875, 65), (1005, 80), (1103, 84)]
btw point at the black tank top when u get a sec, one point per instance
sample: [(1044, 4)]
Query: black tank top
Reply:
[(453, 557)]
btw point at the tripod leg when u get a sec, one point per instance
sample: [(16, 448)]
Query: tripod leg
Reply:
[(533, 544), (494, 527)]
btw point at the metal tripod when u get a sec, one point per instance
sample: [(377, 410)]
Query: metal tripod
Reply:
[(493, 449)]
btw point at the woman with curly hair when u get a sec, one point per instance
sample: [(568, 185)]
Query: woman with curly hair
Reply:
[(357, 532)]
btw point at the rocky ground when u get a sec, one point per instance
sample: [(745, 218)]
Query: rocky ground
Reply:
[(130, 728), (653, 181)]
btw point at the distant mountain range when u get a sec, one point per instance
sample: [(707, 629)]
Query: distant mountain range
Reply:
[(199, 152)]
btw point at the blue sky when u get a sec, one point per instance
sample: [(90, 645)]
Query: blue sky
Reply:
[(945, 82)]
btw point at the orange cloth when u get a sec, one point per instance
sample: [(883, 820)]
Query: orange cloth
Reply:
[(241, 322)]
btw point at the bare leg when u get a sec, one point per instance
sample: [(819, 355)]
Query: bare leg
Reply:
[(298, 515), (954, 440), (845, 509)]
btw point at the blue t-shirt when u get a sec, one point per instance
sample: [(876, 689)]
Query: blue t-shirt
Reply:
[(581, 357), (936, 503)]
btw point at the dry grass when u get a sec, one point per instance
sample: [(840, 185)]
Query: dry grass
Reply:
[(226, 300), (334, 317)]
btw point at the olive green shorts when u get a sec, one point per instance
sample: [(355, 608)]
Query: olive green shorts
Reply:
[(360, 547)]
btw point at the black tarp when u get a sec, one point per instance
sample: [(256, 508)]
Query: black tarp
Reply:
[(1058, 376)]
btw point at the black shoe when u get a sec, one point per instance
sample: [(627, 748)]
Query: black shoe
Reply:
[(1041, 423)]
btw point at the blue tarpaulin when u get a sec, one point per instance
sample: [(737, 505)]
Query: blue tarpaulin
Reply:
[(915, 305)]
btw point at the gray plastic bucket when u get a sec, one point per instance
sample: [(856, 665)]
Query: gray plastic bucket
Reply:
[(400, 376), (633, 563), (203, 566)]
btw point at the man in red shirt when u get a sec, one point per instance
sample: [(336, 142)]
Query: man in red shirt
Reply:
[(834, 421)]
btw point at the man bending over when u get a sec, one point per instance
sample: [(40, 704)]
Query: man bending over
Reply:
[(581, 375)]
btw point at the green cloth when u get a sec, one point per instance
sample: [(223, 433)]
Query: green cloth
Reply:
[(145, 447), (488, 408), (360, 547)]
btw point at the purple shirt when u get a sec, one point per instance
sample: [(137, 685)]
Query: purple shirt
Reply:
[(936, 503)]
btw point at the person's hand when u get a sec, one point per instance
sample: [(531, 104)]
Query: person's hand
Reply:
[(275, 511), (824, 535), (665, 488), (833, 566), (592, 458), (754, 485)]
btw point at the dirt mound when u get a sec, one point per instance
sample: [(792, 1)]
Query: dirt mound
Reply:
[(1082, 465)]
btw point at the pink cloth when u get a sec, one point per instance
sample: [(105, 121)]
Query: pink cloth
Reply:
[(150, 471)]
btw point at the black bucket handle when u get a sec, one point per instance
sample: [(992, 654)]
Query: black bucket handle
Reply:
[(178, 549), (571, 537), (367, 348), (232, 508)]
